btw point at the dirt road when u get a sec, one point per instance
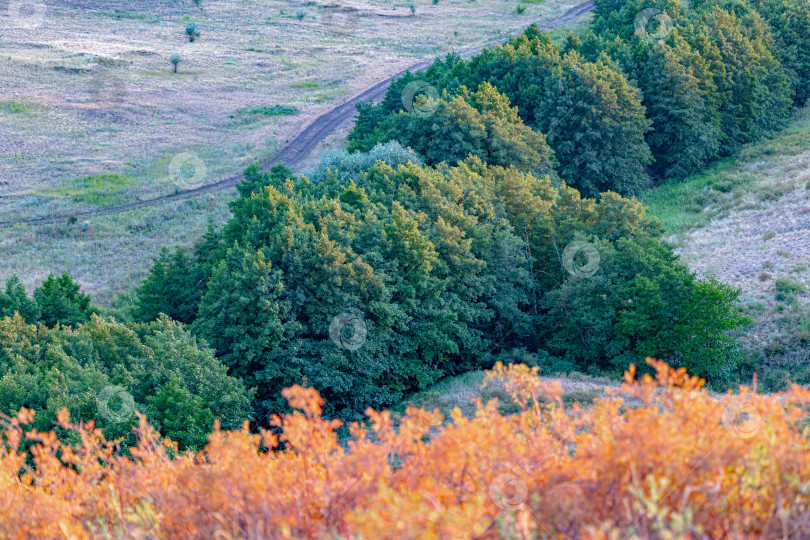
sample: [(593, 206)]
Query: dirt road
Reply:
[(299, 147)]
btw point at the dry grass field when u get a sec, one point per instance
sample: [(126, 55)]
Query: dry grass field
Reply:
[(92, 114), (746, 221)]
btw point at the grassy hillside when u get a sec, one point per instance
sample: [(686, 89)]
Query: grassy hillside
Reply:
[(747, 222), (762, 173), (78, 103)]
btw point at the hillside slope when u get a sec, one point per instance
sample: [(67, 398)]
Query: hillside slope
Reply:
[(747, 222)]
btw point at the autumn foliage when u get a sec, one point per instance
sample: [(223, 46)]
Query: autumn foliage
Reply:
[(662, 458)]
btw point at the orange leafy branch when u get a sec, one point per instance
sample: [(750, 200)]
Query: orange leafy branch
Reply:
[(661, 459)]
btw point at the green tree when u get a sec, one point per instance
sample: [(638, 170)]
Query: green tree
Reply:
[(60, 301), (175, 59), (592, 118), (715, 74), (482, 124), (631, 20), (685, 132), (176, 282), (789, 21), (254, 181), (174, 409), (444, 282), (603, 322), (15, 300), (594, 121), (245, 318), (375, 286), (636, 300), (401, 253), (753, 94), (192, 30), (371, 115), (174, 286), (106, 371)]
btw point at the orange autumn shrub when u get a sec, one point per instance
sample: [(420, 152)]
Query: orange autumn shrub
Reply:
[(662, 458)]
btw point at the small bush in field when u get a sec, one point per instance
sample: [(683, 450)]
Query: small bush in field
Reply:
[(175, 59), (350, 166), (193, 31), (788, 286)]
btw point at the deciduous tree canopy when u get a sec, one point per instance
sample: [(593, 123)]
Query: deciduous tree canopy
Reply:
[(440, 270)]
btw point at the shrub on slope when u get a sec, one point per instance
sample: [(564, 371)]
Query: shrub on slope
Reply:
[(678, 463)]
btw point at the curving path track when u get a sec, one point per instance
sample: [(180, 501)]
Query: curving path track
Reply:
[(314, 133)]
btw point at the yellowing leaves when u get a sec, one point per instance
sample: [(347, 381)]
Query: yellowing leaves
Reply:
[(658, 460)]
